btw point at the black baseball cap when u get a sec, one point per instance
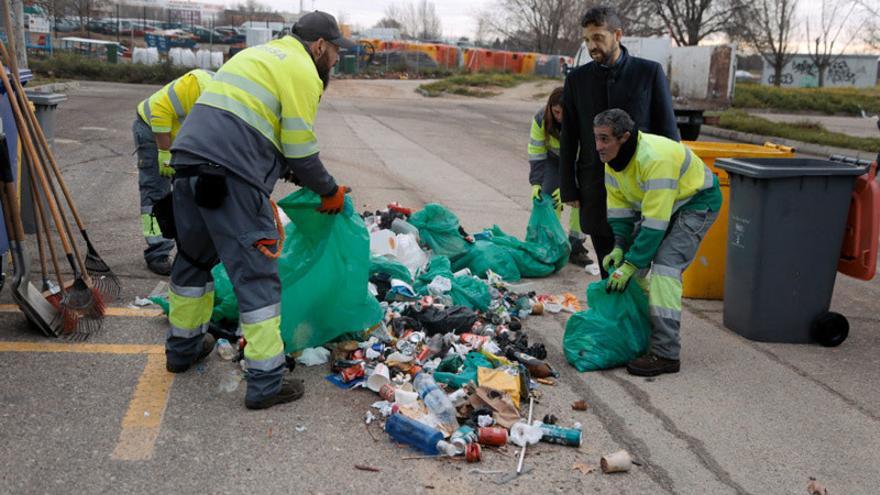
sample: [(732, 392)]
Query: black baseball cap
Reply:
[(317, 24)]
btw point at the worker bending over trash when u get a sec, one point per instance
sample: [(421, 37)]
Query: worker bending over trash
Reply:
[(158, 121), (661, 201), (253, 124)]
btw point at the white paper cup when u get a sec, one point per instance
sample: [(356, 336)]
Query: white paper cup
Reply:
[(618, 462), (379, 377)]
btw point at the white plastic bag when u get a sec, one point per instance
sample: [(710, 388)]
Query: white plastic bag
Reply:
[(410, 254), (314, 356), (522, 433)]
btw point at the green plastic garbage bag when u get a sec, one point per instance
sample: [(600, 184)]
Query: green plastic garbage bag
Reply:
[(225, 302), (468, 374), (439, 229), (532, 260), (545, 230), (324, 269), (390, 266), (545, 249), (616, 329), (486, 255), (466, 291)]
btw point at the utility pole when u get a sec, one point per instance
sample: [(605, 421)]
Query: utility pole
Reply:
[(16, 12)]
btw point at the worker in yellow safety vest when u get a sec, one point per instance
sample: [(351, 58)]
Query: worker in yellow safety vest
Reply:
[(543, 153), (253, 124), (662, 199), (158, 120)]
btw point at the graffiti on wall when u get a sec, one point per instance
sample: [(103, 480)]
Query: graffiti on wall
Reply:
[(802, 72)]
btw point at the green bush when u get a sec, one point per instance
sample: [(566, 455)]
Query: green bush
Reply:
[(845, 101), (70, 66), (805, 131)]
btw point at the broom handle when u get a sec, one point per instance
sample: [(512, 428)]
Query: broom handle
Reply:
[(44, 226), (29, 149), (44, 271), (41, 137)]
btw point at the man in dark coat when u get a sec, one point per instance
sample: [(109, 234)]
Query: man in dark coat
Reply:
[(614, 79)]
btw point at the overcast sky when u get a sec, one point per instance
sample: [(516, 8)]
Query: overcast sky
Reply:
[(458, 16)]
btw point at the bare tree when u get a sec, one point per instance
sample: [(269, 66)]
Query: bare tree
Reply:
[(416, 20), (690, 21), (824, 49), (429, 22), (545, 22), (871, 31), (554, 26), (767, 26), (387, 22)]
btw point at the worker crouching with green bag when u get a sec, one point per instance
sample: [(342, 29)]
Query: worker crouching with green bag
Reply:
[(662, 199)]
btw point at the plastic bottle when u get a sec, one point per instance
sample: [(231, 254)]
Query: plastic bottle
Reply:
[(436, 400), (230, 382), (417, 435), (225, 350)]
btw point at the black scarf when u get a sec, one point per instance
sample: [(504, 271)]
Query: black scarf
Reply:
[(627, 151)]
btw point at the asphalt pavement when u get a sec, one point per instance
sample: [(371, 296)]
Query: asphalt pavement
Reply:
[(103, 416)]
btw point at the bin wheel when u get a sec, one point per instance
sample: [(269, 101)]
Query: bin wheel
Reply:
[(830, 329)]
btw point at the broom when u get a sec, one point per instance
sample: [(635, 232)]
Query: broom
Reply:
[(102, 276), (80, 299)]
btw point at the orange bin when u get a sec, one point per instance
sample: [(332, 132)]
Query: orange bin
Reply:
[(704, 279), (858, 258)]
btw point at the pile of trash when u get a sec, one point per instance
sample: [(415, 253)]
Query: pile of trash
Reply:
[(451, 362), (413, 308)]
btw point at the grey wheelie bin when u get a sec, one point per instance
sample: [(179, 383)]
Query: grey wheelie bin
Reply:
[(787, 220)]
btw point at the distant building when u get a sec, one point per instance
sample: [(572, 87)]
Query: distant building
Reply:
[(848, 71)]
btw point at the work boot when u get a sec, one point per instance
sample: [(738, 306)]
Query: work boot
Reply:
[(580, 255), (207, 347), (652, 365), (161, 266), (291, 390)]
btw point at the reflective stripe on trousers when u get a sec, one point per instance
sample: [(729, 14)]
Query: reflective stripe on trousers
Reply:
[(190, 310), (674, 255)]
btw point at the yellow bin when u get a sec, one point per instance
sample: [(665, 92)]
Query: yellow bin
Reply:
[(704, 279)]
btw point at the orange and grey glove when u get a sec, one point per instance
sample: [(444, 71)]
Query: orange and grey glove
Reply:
[(333, 203), (165, 169)]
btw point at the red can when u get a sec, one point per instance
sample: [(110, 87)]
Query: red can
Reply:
[(493, 435), (387, 392), (473, 452), (352, 373)]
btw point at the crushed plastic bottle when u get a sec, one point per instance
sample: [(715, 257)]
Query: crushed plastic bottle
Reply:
[(225, 350), (230, 382), (436, 400)]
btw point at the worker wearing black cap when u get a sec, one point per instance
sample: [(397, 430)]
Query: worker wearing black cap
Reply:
[(253, 124)]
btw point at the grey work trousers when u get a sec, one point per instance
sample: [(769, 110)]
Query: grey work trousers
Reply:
[(228, 233), (152, 188)]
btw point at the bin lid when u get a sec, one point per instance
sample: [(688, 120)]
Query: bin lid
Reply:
[(45, 99), (777, 168), (24, 75)]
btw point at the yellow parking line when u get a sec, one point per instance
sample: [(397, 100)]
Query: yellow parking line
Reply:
[(81, 348), (113, 311), (142, 422)]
